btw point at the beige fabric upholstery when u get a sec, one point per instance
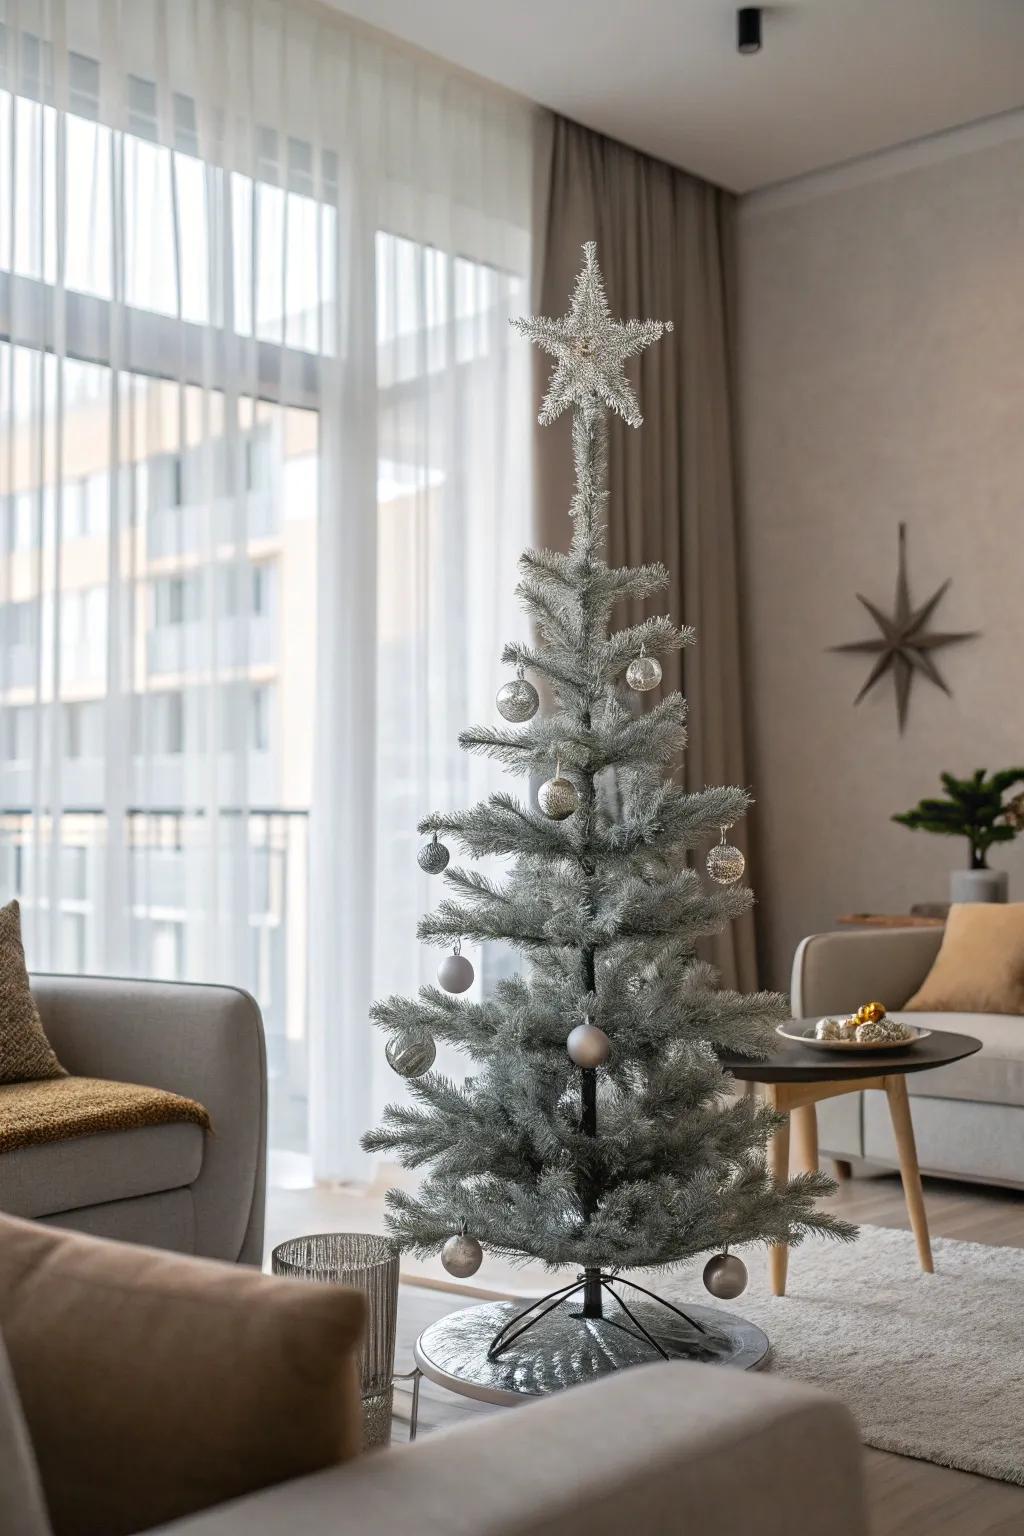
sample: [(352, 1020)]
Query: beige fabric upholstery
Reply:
[(153, 1385), (92, 1170), (204, 1042), (680, 1449), (836, 972), (993, 1075), (165, 1221), (980, 964), (22, 1511)]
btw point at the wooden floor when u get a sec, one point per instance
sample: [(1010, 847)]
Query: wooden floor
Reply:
[(907, 1498)]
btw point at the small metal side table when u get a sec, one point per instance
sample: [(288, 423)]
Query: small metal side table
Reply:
[(370, 1264)]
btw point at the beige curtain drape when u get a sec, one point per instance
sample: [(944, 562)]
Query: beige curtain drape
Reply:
[(662, 239)]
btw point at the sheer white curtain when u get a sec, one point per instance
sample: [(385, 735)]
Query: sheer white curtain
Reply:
[(264, 474)]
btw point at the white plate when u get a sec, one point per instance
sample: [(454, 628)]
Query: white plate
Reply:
[(807, 1037)]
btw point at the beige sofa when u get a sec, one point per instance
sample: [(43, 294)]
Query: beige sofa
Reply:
[(168, 1186), (659, 1450), (968, 1117)]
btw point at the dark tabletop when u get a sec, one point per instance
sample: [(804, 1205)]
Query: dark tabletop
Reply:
[(794, 1063)]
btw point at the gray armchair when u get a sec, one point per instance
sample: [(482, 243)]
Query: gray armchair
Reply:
[(169, 1186)]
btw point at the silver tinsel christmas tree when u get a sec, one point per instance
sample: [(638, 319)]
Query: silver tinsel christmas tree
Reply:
[(596, 1128)]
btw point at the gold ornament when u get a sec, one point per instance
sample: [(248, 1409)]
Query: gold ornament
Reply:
[(870, 1013)]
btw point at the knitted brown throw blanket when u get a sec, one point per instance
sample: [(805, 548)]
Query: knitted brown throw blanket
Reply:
[(57, 1108)]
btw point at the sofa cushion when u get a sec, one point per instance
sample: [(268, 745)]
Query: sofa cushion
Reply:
[(25, 1052), (993, 1075), (154, 1386), (93, 1170), (980, 964), (22, 1511)]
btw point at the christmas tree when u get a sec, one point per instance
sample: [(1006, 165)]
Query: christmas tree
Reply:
[(596, 1128)]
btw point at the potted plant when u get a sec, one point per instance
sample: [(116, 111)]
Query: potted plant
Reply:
[(976, 809)]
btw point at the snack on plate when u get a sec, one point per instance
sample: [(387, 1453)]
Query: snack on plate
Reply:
[(882, 1032)]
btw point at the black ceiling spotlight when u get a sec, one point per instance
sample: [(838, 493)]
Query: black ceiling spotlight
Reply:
[(748, 29)]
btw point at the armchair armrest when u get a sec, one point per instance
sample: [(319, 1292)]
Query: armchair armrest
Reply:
[(836, 972), (205, 1042), (656, 1449)]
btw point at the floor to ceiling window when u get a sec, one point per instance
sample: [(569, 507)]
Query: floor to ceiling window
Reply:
[(263, 477)]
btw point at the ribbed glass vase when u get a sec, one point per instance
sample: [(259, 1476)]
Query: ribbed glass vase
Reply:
[(370, 1264)]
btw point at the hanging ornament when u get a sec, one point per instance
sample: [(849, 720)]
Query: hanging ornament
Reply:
[(558, 797), (411, 1055), (462, 1255), (455, 974), (519, 700), (588, 1046), (644, 673), (725, 1276), (433, 856), (725, 863)]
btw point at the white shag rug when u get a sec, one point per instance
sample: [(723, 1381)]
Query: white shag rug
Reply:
[(931, 1366)]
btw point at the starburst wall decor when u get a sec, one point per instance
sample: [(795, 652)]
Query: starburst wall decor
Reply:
[(905, 644)]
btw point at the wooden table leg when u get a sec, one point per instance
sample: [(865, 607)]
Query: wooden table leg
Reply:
[(804, 1120), (903, 1129), (778, 1161)]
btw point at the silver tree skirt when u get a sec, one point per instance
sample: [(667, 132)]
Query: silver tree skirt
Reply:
[(564, 1349)]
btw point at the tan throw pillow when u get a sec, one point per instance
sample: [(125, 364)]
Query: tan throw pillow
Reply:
[(980, 965), (154, 1386), (25, 1053)]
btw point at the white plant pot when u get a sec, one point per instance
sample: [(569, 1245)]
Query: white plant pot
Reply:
[(978, 885)]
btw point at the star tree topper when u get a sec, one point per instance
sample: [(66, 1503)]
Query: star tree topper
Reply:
[(591, 348)]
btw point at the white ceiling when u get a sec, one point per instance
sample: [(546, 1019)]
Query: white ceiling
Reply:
[(835, 79)]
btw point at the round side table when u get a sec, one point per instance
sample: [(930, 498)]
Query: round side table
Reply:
[(796, 1077)]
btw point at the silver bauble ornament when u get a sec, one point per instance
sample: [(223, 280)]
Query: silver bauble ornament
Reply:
[(644, 673), (462, 1256), (517, 701), (433, 856), (725, 1276), (588, 1046), (558, 797), (411, 1055), (725, 863), (455, 974)]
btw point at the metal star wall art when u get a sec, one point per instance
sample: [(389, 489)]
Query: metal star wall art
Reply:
[(591, 348), (905, 644)]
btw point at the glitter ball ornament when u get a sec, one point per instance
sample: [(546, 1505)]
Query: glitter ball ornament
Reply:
[(433, 856), (725, 863), (455, 974), (882, 1032), (588, 1046), (829, 1029), (870, 1013), (517, 701), (558, 797), (644, 673), (412, 1055), (462, 1256), (725, 1276)]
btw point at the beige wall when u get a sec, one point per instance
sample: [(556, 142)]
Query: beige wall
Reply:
[(881, 378)]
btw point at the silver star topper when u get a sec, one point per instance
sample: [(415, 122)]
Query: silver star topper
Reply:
[(591, 348)]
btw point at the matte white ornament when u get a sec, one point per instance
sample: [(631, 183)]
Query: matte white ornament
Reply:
[(433, 856), (644, 673), (725, 863), (412, 1055), (517, 701), (462, 1256), (725, 1276), (558, 797), (455, 974), (588, 1046)]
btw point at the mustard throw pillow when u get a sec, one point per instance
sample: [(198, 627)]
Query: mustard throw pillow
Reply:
[(25, 1053), (980, 965), (154, 1386)]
